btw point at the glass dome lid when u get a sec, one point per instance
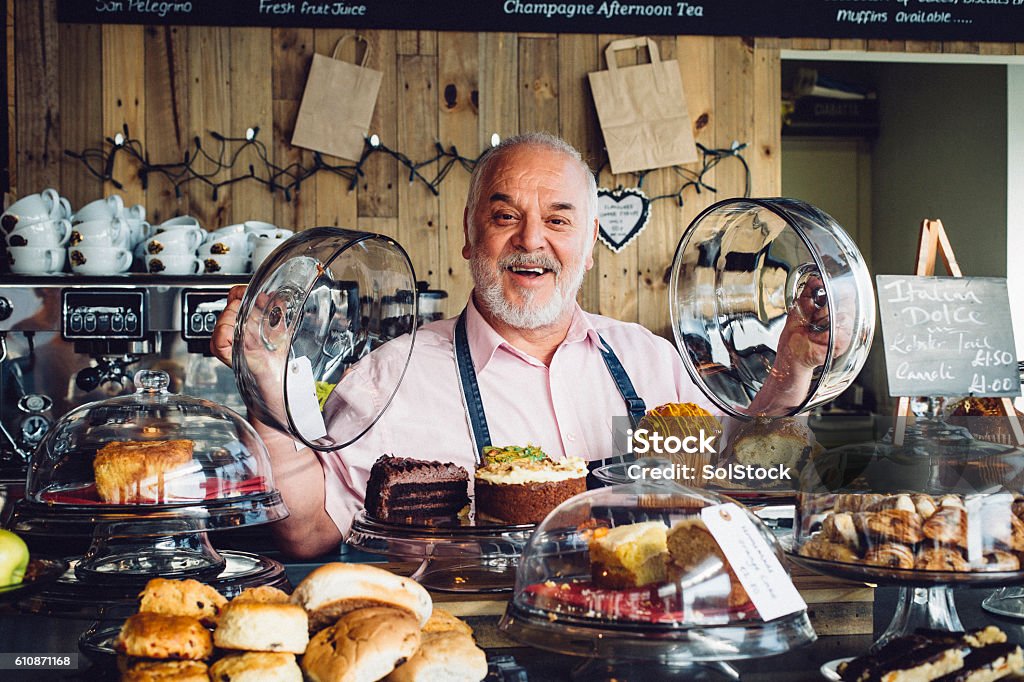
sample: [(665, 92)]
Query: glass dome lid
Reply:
[(319, 303), (153, 455), (772, 306), (940, 508), (643, 570)]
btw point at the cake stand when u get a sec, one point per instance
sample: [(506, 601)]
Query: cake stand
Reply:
[(466, 557)]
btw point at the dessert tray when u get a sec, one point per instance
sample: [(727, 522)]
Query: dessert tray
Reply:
[(467, 556), (40, 572)]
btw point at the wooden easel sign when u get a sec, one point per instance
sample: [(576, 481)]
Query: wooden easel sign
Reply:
[(947, 336)]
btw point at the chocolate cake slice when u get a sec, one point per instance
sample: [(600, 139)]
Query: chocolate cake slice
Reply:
[(405, 490), (989, 663)]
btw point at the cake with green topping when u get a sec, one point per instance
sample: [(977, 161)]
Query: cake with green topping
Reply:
[(519, 485)]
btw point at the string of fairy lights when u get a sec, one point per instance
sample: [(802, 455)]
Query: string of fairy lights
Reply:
[(215, 166)]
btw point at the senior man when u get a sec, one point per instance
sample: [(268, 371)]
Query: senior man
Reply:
[(522, 363)]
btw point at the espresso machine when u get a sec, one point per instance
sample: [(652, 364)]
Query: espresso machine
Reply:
[(69, 340)]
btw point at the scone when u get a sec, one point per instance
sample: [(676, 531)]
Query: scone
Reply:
[(364, 645), (142, 670), (155, 635), (333, 590), (131, 472), (256, 666), (447, 656), (444, 621), (265, 594), (258, 626), (182, 598)]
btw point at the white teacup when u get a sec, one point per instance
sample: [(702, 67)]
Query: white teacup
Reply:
[(258, 225), (261, 249), (173, 264), (184, 240), (46, 205), (227, 264), (138, 231), (99, 260), (42, 234), (105, 208), (220, 244), (28, 260), (238, 228), (273, 234), (103, 232), (177, 223)]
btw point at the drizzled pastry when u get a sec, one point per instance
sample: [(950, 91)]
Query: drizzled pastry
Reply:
[(890, 555)]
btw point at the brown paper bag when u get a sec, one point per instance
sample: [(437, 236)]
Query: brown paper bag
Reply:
[(337, 104), (642, 110)]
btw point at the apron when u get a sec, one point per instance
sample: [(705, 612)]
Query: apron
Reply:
[(635, 406)]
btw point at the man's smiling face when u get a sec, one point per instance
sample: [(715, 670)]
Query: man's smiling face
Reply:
[(530, 239)]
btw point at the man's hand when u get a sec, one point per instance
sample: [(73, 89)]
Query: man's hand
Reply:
[(224, 332)]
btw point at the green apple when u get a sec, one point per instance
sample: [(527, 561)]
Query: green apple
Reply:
[(13, 558)]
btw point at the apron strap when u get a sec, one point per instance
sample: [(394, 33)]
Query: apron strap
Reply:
[(635, 405), (470, 388)]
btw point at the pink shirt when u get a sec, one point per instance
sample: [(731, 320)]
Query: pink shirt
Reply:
[(565, 408)]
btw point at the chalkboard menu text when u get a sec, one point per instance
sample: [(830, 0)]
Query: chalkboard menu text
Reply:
[(947, 336), (968, 20)]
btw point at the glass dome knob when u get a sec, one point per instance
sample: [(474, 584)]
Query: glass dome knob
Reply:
[(152, 381)]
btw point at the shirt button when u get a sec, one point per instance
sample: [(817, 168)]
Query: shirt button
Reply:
[(571, 437)]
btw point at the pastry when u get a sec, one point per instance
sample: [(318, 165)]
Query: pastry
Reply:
[(142, 670), (690, 544), (855, 502), (134, 472), (522, 485), (1016, 533), (264, 594), (902, 502), (155, 635), (1000, 560), (890, 555), (947, 526), (941, 559), (682, 420), (404, 490), (443, 621), (447, 656), (925, 505), (182, 598), (256, 666), (259, 626), (839, 527), (820, 547), (889, 525), (632, 555), (365, 644), (333, 590)]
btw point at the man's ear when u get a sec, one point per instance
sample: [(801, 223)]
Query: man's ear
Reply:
[(467, 247), (593, 242)]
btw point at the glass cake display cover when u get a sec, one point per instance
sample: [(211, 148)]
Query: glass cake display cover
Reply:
[(655, 571), (146, 475), (319, 303), (770, 294), (942, 507)]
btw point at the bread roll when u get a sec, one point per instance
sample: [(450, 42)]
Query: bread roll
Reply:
[(363, 646)]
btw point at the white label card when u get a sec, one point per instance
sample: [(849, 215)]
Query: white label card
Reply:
[(753, 560), (300, 391)]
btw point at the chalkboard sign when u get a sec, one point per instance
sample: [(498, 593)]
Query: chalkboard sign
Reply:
[(947, 336), (968, 20)]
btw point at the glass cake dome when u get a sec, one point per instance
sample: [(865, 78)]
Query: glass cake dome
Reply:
[(640, 572), (772, 306), (319, 303), (147, 475)]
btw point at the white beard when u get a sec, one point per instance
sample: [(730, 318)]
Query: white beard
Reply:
[(528, 315)]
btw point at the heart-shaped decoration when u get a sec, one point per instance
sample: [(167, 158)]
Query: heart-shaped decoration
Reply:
[(622, 214)]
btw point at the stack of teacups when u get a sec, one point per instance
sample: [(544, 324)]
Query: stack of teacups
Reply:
[(263, 239), (103, 234), (36, 228), (226, 251), (172, 248)]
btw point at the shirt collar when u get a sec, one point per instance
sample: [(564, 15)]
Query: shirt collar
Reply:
[(484, 341)]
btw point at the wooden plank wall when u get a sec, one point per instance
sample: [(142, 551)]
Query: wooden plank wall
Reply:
[(73, 85)]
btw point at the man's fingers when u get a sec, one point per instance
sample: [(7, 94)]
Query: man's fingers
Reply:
[(224, 331)]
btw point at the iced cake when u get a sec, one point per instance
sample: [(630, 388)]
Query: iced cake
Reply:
[(522, 484)]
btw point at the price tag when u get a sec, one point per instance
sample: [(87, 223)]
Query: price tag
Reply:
[(300, 391), (753, 560)]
